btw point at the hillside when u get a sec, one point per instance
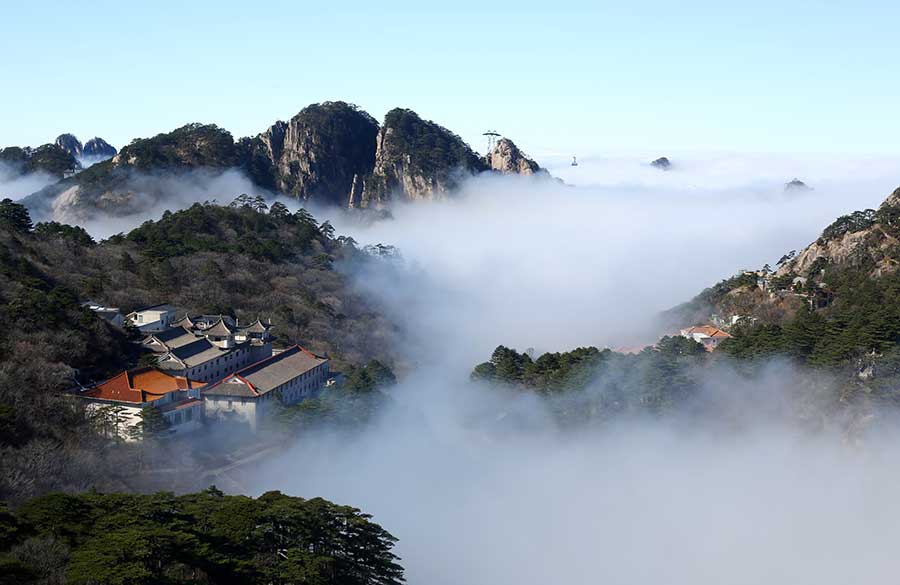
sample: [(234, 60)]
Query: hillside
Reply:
[(835, 303), (245, 261), (49, 158)]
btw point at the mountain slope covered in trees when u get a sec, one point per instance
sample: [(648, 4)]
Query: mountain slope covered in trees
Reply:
[(246, 261), (833, 304)]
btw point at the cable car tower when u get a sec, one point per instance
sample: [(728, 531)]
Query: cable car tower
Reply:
[(492, 136)]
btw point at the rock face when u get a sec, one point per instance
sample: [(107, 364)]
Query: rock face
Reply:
[(662, 163), (415, 159), (70, 144), (98, 148), (507, 159), (319, 155)]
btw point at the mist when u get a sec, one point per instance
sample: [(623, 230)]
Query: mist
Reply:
[(759, 481), (143, 196), (15, 185)]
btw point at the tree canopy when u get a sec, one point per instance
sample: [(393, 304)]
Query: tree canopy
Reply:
[(201, 538)]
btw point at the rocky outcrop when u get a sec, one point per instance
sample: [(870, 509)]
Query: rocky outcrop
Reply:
[(415, 159), (318, 155), (91, 152), (662, 163), (796, 185), (506, 158), (98, 148), (70, 144)]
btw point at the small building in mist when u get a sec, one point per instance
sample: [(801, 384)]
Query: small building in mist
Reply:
[(285, 378), (707, 335)]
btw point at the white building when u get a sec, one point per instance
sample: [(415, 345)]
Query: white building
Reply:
[(707, 335), (155, 318), (286, 378), (118, 402)]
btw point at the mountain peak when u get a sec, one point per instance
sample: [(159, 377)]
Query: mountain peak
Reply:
[(70, 144)]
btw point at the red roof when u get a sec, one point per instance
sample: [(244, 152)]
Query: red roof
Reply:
[(140, 385)]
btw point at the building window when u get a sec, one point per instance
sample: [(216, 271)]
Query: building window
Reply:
[(189, 414)]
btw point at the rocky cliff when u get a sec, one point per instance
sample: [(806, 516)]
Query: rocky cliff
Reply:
[(317, 155), (506, 158), (414, 159), (70, 144), (98, 148)]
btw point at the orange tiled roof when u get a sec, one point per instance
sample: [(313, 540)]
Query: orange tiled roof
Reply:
[(707, 330), (140, 385)]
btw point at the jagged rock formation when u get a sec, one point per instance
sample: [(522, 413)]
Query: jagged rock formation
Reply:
[(91, 152), (506, 158), (99, 148), (331, 153), (796, 185), (320, 154), (662, 163), (49, 158), (415, 159), (70, 144)]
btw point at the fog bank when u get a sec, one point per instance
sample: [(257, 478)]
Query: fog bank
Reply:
[(765, 481), (14, 185)]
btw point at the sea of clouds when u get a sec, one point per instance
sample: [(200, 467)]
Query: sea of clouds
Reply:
[(738, 492)]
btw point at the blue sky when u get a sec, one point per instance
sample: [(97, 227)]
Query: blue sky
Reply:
[(557, 77)]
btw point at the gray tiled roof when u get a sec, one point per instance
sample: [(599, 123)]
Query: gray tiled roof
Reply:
[(192, 354), (219, 329), (267, 374), (171, 338), (255, 327)]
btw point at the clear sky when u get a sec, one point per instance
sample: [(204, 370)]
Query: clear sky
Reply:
[(558, 77)]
